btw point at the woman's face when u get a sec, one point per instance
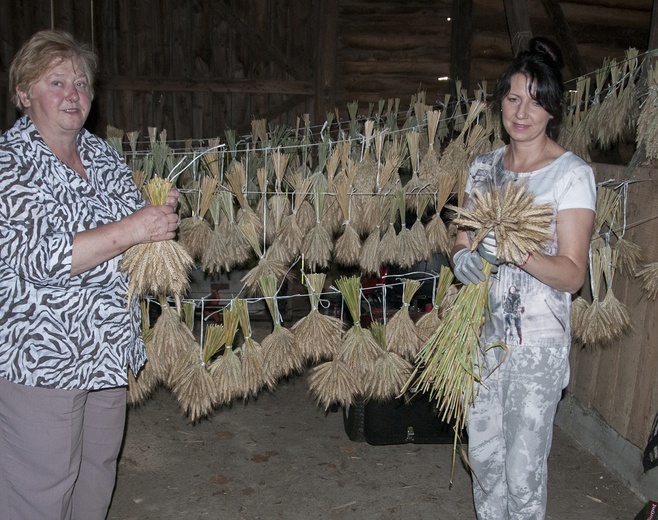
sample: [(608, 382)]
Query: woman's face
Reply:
[(523, 118), (59, 102)]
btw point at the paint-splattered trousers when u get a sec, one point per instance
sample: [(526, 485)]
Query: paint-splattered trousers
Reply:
[(511, 428)]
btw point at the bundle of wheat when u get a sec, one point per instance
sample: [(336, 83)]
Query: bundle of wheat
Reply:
[(317, 335), (428, 171), (141, 385), (358, 349), (157, 268), (252, 356), (518, 223), (401, 334), (216, 256), (430, 321), (193, 385), (171, 339), (649, 276), (246, 218), (389, 372), (647, 121), (317, 246), (288, 240), (347, 248), (226, 370), (332, 382), (282, 354), (195, 231)]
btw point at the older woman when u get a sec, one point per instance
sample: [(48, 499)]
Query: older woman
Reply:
[(511, 422), (69, 208)]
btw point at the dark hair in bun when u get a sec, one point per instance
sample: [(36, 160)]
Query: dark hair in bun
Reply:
[(542, 64)]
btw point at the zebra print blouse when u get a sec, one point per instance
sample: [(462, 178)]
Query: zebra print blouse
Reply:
[(58, 330)]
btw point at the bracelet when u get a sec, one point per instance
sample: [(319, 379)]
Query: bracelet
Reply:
[(525, 262)]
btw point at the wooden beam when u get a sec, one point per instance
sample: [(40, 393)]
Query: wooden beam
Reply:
[(518, 24), (215, 85), (565, 38), (653, 32), (326, 60), (460, 41)]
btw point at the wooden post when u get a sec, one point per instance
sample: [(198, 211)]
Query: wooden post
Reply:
[(518, 24), (325, 70), (460, 41), (565, 38)]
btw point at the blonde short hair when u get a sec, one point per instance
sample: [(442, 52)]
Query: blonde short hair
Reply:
[(35, 58)]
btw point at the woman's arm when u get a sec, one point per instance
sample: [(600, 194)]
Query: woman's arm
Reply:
[(148, 224), (567, 269)]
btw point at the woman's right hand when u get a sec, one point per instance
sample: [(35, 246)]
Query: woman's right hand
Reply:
[(153, 223)]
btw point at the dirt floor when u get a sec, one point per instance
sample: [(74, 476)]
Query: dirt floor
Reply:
[(281, 457)]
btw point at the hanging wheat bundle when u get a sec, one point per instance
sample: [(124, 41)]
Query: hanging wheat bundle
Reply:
[(418, 233), (438, 238), (114, 137), (401, 334), (226, 370), (332, 382), (407, 248), (430, 321), (246, 217), (649, 276), (156, 268), (415, 188), (595, 317), (263, 209), (304, 210), (141, 386), (348, 246), (216, 257), (578, 312), (267, 265), (282, 354), (252, 356), (238, 237), (317, 335), (317, 246), (195, 231), (363, 184), (629, 256), (518, 223), (428, 171), (617, 312), (288, 241), (369, 258), (193, 386), (332, 216), (647, 121), (171, 339), (389, 245), (390, 371), (574, 134), (279, 202), (358, 348)]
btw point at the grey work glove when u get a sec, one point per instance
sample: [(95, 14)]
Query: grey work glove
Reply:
[(468, 266), (488, 249)]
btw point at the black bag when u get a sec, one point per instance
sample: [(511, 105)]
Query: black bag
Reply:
[(407, 419)]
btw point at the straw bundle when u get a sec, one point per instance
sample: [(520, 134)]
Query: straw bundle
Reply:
[(629, 255), (157, 267), (317, 335), (279, 203), (195, 231), (449, 364), (358, 349), (171, 339), (226, 370), (238, 236), (647, 121), (288, 240), (401, 334), (282, 354), (438, 238), (114, 137), (430, 321), (518, 223), (369, 259), (141, 386), (193, 385), (348, 246), (252, 356), (428, 170), (390, 371), (332, 382), (317, 246), (574, 135), (246, 219), (267, 265), (649, 276), (216, 255), (416, 188)]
